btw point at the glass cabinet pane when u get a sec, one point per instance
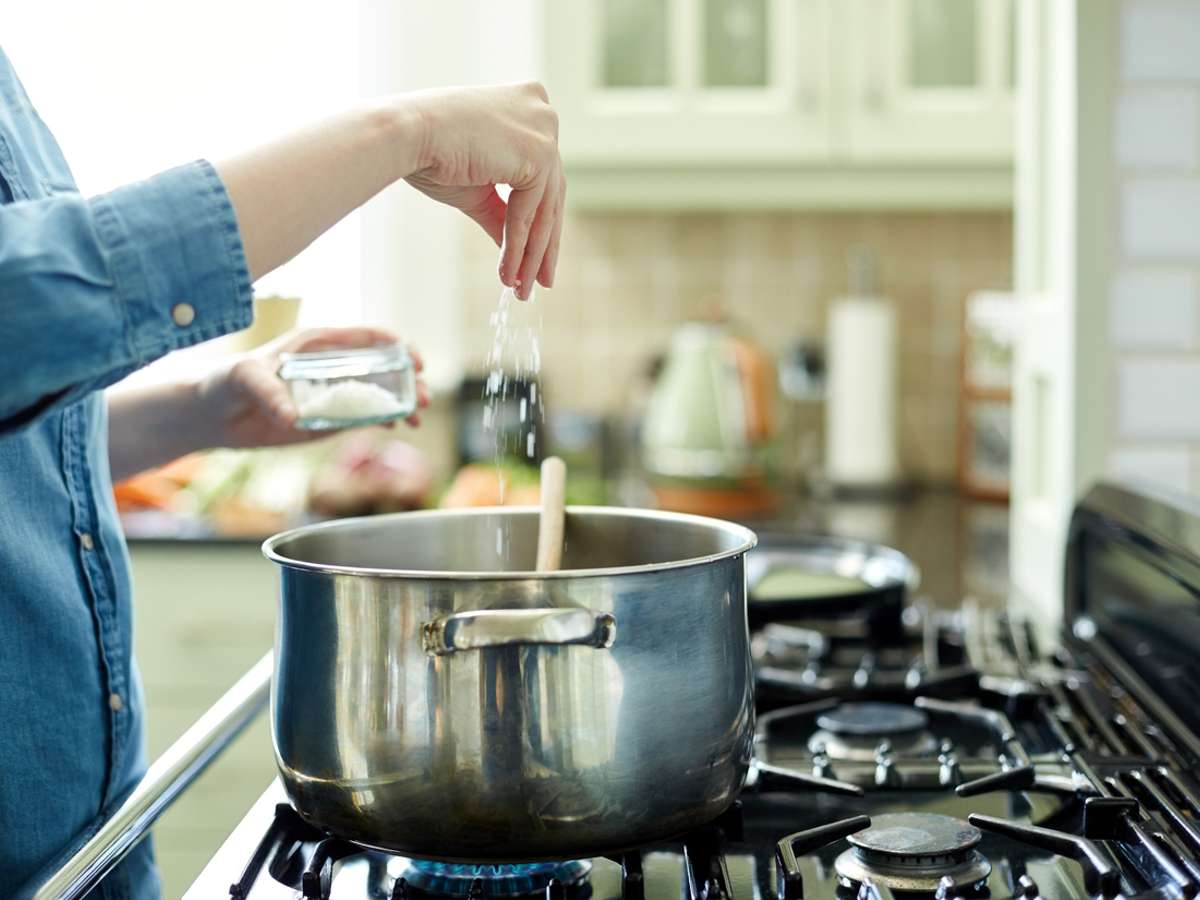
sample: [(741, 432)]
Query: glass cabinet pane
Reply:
[(636, 47), (735, 43), (943, 43)]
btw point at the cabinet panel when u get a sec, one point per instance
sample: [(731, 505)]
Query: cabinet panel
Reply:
[(943, 43), (203, 615), (637, 48), (737, 81), (736, 49), (784, 103), (930, 81)]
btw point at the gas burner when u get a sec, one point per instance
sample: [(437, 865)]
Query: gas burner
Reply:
[(448, 879), (855, 731), (915, 852)]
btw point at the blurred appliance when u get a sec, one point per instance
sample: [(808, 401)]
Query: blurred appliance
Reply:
[(502, 427), (802, 386), (860, 410), (802, 373), (710, 412)]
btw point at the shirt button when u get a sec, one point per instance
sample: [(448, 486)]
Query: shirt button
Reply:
[(115, 703), (184, 314), (86, 540)]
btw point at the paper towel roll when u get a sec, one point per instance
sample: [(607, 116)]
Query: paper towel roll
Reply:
[(860, 409)]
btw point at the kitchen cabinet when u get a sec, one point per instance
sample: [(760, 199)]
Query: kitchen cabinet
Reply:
[(690, 81), (930, 80), (204, 613), (783, 103)]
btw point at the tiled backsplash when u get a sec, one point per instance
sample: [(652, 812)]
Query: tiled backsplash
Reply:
[(1155, 303), (625, 281)]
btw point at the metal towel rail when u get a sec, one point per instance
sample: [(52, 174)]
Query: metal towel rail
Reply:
[(165, 779)]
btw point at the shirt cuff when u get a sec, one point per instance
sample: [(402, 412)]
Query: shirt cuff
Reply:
[(176, 258)]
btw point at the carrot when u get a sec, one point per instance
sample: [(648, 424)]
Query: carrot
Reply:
[(144, 491)]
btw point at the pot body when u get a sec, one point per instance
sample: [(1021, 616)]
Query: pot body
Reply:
[(429, 702)]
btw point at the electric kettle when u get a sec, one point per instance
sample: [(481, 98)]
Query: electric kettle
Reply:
[(710, 413)]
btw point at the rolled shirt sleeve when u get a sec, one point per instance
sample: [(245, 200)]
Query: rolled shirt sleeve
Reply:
[(92, 289)]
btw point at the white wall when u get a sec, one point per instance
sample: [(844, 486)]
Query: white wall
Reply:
[(131, 87), (1154, 294), (1107, 379)]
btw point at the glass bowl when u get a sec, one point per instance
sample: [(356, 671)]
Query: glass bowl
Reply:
[(350, 388)]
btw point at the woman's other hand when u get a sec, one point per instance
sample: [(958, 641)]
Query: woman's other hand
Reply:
[(476, 138), (246, 404)]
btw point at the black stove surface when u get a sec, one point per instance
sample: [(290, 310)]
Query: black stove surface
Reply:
[(744, 862), (953, 759), (1054, 776)]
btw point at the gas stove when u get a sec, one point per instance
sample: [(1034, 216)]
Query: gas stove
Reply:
[(952, 757)]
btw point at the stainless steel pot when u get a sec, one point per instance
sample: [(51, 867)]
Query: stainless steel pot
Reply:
[(428, 701)]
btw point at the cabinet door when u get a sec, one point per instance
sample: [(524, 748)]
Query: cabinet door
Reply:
[(710, 82), (929, 80)]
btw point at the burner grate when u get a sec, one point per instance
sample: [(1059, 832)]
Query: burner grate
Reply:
[(915, 852), (794, 663), (1060, 756), (897, 760)]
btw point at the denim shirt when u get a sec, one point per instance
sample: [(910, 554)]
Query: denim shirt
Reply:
[(90, 289)]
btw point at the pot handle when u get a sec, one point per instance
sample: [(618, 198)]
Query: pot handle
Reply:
[(477, 629)]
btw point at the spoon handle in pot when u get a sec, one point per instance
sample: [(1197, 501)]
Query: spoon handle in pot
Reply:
[(550, 521)]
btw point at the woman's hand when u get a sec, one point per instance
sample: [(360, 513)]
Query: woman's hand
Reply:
[(246, 404), (454, 144), (476, 138), (243, 403)]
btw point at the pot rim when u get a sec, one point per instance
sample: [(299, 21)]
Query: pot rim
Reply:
[(748, 540)]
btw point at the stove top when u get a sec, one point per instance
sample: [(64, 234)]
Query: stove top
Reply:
[(955, 758)]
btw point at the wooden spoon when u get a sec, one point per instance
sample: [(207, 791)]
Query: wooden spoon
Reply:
[(550, 519)]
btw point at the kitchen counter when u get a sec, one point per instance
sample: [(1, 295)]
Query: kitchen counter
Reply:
[(960, 545)]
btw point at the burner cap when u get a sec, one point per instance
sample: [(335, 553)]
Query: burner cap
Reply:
[(911, 835), (915, 852), (872, 719)]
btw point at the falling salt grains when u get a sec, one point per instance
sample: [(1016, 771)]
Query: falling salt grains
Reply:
[(514, 361)]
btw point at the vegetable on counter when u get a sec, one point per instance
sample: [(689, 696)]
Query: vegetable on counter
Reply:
[(254, 493), (158, 488), (485, 484), (515, 484), (369, 474)]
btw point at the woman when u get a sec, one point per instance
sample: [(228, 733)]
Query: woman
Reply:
[(92, 289)]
